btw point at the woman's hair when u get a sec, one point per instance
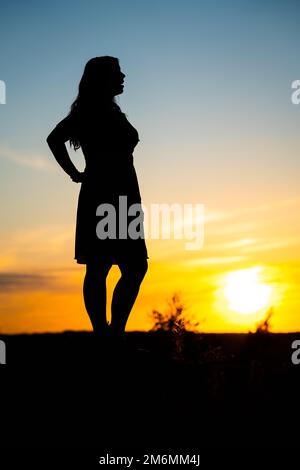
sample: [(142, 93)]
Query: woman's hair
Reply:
[(93, 92)]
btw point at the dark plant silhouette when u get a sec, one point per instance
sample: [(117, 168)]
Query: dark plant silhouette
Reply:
[(174, 320), (174, 327), (265, 324)]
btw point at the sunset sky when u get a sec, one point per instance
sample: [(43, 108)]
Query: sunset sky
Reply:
[(208, 87)]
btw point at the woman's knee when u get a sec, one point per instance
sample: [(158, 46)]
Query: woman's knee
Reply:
[(99, 269), (143, 268), (134, 269)]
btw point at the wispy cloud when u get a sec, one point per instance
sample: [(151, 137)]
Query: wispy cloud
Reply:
[(219, 216), (268, 245), (235, 244), (221, 260), (54, 280), (36, 162), (252, 245), (14, 281), (45, 245)]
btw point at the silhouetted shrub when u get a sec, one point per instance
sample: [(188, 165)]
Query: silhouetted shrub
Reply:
[(265, 324), (174, 319), (174, 327)]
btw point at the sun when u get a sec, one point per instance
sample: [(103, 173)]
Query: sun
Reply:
[(244, 291)]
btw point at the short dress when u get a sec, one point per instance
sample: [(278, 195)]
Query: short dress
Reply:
[(109, 176)]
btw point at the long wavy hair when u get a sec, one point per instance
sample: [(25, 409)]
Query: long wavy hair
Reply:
[(93, 93)]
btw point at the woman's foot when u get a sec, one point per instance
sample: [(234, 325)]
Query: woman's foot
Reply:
[(101, 338), (117, 343)]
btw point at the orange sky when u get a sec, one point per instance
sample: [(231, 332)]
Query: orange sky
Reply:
[(47, 296)]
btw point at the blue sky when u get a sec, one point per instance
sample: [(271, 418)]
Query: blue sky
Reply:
[(205, 81)]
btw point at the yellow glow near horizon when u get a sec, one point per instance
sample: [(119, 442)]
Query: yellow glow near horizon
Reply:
[(245, 293)]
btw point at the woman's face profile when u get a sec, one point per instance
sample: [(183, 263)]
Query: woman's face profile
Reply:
[(115, 81)]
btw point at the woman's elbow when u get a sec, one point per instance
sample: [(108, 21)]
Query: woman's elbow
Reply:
[(52, 140)]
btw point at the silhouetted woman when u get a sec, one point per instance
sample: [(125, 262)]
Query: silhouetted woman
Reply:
[(107, 139)]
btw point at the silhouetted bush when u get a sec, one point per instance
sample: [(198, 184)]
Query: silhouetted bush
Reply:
[(174, 327), (265, 324), (174, 319)]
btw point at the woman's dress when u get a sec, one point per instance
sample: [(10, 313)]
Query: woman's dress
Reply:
[(108, 146)]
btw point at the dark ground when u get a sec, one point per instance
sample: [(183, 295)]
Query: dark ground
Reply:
[(219, 391)]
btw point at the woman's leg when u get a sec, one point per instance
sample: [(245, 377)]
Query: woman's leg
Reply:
[(126, 291), (94, 293)]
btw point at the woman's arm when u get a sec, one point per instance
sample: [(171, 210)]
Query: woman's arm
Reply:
[(56, 141)]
